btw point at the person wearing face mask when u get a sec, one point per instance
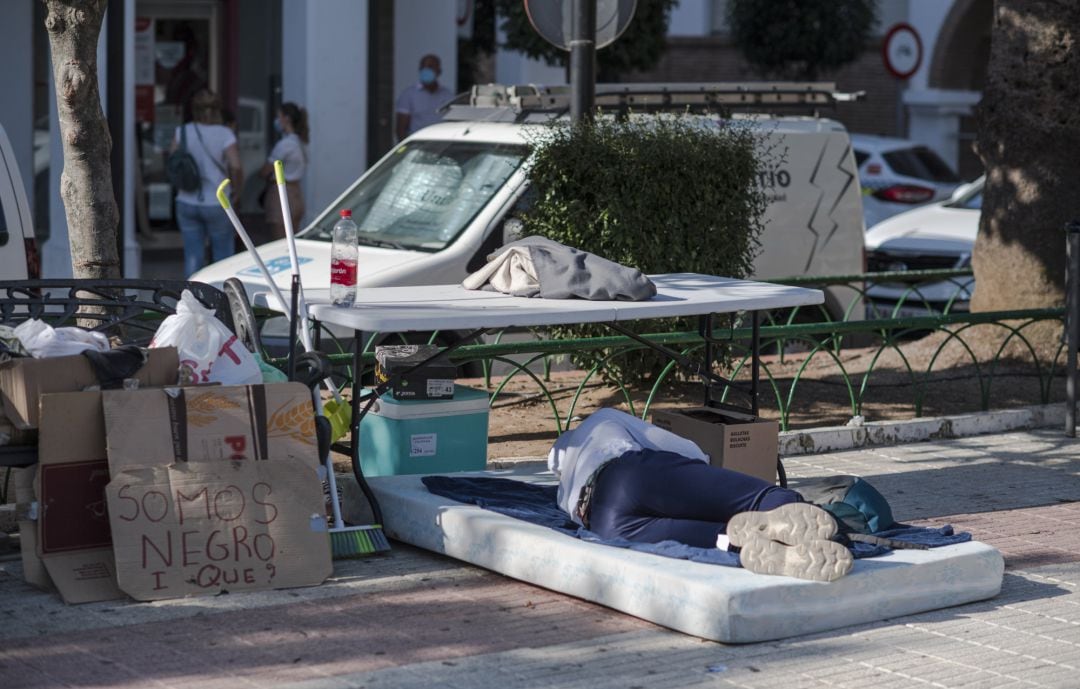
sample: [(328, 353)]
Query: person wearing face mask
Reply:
[(291, 149), (418, 104)]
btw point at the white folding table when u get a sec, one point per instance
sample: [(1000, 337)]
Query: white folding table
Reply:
[(426, 308)]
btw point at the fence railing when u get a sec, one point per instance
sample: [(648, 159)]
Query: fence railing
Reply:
[(806, 351)]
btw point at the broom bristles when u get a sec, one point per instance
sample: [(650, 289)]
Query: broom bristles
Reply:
[(357, 541)]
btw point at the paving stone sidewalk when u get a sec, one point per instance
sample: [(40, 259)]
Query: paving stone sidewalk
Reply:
[(415, 619)]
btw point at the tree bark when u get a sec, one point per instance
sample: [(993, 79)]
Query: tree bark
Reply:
[(86, 187), (1029, 141)]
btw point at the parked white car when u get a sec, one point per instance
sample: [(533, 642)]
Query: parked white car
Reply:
[(19, 258), (938, 236), (439, 203), (898, 175)]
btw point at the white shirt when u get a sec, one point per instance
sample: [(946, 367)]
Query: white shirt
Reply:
[(421, 105), (292, 153), (209, 154), (606, 435)]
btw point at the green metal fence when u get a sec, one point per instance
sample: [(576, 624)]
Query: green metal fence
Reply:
[(798, 341)]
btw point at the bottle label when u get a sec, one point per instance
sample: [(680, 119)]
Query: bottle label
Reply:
[(342, 272)]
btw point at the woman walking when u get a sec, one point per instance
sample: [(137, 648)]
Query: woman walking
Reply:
[(291, 150), (213, 146)]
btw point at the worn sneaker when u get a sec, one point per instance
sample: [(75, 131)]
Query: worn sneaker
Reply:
[(816, 560), (792, 540), (795, 522)]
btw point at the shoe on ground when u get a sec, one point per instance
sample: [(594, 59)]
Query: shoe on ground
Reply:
[(816, 559), (795, 522)]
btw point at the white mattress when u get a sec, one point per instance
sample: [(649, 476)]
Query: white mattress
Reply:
[(726, 604)]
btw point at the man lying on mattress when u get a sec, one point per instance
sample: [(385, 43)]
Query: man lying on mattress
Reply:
[(621, 477)]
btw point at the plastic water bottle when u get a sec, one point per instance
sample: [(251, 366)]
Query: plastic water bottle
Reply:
[(343, 257)]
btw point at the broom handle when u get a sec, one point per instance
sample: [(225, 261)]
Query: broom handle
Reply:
[(223, 199), (290, 235)]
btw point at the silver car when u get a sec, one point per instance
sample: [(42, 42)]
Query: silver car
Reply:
[(897, 175), (938, 236)]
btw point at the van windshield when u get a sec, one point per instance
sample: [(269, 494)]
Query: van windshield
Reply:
[(424, 194)]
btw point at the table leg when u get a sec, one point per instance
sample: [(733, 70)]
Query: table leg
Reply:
[(354, 429), (755, 361)]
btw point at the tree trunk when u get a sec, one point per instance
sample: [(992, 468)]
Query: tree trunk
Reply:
[(86, 183), (1029, 141)]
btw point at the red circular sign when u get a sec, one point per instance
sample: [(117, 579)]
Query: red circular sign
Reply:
[(902, 50)]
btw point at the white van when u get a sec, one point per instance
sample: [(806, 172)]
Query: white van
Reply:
[(434, 207), (19, 257)]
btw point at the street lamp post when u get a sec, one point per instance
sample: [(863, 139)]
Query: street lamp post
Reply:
[(583, 60)]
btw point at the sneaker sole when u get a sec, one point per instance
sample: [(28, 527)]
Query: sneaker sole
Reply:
[(793, 523), (813, 560)]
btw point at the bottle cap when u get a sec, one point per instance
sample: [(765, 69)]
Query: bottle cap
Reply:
[(346, 213)]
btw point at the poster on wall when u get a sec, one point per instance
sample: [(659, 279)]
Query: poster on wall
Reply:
[(144, 69)]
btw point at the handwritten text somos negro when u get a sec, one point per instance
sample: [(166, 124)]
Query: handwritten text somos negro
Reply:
[(217, 533)]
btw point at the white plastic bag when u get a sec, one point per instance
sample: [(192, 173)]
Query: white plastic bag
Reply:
[(42, 340), (209, 353)]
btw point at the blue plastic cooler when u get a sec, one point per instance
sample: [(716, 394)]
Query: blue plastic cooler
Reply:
[(425, 436)]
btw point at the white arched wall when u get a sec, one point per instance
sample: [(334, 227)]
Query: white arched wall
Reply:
[(934, 114)]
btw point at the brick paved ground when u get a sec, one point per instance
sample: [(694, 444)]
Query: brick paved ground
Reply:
[(414, 619)]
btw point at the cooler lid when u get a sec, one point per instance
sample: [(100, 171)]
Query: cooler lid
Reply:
[(465, 401)]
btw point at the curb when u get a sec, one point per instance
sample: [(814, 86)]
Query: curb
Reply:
[(852, 437), (875, 433)]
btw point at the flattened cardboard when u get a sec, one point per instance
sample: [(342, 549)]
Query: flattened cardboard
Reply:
[(159, 426), (24, 381), (199, 528), (74, 540), (748, 446), (34, 572)]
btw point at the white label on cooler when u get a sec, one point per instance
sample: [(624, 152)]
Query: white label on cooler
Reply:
[(423, 444), (440, 387)]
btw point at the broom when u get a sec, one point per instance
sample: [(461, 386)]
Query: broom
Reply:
[(345, 541)]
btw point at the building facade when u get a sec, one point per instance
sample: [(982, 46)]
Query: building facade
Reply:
[(345, 61)]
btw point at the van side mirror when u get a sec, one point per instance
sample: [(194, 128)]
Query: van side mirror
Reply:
[(513, 229)]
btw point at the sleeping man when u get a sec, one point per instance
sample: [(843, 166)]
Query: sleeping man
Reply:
[(621, 477)]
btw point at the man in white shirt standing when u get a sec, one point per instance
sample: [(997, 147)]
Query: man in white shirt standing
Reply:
[(418, 104)]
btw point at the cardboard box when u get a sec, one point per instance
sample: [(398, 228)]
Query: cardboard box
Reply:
[(434, 381), (192, 512), (24, 381), (73, 534), (82, 449), (199, 528), (746, 445), (207, 423)]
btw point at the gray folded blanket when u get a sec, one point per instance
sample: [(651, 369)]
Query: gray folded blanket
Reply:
[(540, 267)]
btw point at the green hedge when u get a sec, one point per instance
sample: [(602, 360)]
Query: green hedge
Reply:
[(665, 194)]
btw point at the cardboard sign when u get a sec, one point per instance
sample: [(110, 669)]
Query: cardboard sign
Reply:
[(24, 381), (210, 423), (73, 534), (747, 445), (196, 528)]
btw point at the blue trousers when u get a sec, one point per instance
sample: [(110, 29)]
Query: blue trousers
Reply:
[(197, 223), (651, 496)]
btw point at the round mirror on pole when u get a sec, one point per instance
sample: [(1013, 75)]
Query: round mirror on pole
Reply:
[(553, 20)]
